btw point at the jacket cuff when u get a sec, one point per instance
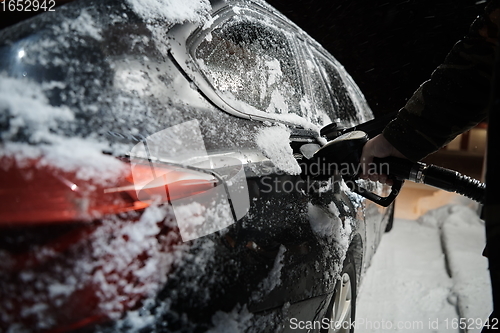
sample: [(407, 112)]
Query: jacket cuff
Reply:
[(403, 135)]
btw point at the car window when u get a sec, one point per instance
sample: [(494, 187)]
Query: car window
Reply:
[(251, 62), (343, 109), (324, 111)]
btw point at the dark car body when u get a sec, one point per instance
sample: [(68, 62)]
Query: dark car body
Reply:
[(85, 89)]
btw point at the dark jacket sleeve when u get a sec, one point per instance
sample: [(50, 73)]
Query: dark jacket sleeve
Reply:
[(455, 98)]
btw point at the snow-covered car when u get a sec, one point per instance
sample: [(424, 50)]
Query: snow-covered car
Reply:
[(150, 175)]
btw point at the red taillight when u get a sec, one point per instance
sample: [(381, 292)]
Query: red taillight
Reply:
[(150, 182), (50, 222), (39, 195)]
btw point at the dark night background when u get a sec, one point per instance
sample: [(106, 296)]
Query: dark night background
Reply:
[(388, 47)]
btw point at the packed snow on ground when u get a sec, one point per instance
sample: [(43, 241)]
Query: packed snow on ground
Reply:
[(427, 274), (463, 238)]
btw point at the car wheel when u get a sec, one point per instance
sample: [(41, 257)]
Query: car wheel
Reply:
[(390, 224), (342, 308)]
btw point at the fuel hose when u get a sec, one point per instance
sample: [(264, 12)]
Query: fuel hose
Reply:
[(436, 176)]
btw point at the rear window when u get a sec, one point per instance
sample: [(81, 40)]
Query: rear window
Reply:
[(343, 107), (252, 62)]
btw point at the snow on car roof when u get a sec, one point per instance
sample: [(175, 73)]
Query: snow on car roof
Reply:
[(175, 11)]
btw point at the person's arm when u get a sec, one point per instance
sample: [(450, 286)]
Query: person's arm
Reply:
[(454, 100)]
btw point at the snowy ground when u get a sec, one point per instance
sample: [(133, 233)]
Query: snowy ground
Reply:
[(426, 275)]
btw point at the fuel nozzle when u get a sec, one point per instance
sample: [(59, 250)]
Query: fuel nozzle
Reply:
[(345, 149), (341, 156)]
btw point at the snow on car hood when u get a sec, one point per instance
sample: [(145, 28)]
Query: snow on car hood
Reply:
[(176, 11), (330, 224), (275, 143), (57, 101), (30, 115)]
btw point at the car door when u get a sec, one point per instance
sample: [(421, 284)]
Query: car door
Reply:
[(248, 64), (297, 230)]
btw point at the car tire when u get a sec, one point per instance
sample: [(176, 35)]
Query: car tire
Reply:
[(342, 308), (390, 223)]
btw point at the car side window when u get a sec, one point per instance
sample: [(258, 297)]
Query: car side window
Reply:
[(249, 61), (343, 106), (324, 111)]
